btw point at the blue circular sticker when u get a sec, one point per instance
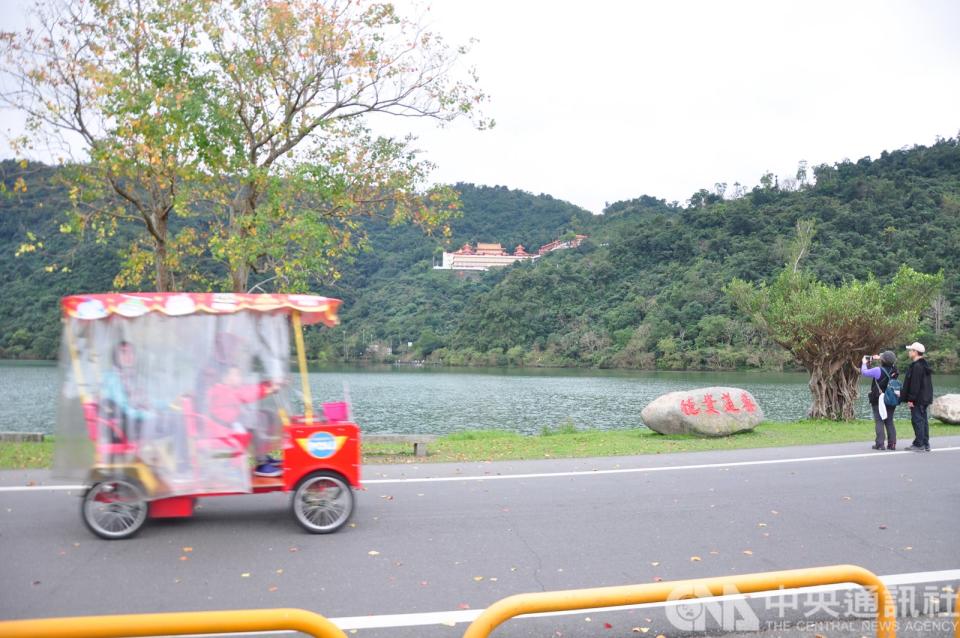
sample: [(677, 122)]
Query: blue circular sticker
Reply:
[(321, 445)]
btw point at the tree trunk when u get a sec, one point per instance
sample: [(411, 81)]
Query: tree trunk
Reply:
[(834, 391), (162, 272), (239, 275), (163, 279), (244, 205)]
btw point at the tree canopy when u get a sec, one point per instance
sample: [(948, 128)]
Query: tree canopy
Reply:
[(829, 328), (249, 117)]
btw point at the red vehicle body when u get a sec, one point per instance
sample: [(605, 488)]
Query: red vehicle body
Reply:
[(298, 463)]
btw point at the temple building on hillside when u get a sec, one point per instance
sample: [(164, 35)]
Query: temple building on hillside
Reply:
[(483, 257), (489, 255), (561, 244), (494, 250)]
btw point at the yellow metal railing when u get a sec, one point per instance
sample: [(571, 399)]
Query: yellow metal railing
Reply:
[(956, 615), (522, 604), (239, 621), (173, 624)]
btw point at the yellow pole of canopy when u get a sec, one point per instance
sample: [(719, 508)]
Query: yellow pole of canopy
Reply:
[(302, 362)]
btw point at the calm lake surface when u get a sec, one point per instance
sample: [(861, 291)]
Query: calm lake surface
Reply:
[(441, 400)]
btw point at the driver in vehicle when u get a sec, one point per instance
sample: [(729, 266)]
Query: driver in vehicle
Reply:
[(141, 421), (225, 404), (122, 394)]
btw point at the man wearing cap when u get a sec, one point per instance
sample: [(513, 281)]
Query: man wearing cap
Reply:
[(917, 391)]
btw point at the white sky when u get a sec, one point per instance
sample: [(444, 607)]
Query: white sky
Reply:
[(604, 100)]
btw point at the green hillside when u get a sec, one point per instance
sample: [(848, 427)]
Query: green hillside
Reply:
[(392, 295), (29, 313), (390, 285), (645, 291)]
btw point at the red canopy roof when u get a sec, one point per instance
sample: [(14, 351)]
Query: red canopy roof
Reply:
[(313, 309)]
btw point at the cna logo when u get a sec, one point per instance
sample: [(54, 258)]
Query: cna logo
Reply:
[(731, 613), (322, 445)]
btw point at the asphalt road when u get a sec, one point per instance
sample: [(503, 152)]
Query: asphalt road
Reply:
[(458, 545)]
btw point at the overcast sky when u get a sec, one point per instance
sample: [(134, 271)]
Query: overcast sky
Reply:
[(607, 100)]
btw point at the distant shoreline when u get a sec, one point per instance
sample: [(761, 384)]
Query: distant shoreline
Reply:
[(319, 365)]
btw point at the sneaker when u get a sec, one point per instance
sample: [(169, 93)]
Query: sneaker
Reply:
[(892, 448), (268, 469), (876, 447), (926, 449), (914, 448)]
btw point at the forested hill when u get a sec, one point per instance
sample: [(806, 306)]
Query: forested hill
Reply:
[(647, 289), (31, 287), (644, 291), (32, 283)]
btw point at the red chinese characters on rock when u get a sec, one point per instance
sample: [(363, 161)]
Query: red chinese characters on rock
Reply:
[(709, 404), (689, 407), (728, 405)]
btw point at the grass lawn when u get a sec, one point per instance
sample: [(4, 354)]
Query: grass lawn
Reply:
[(21, 456), (567, 442)]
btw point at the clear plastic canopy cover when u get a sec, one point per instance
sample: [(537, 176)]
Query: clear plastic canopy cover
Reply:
[(177, 404)]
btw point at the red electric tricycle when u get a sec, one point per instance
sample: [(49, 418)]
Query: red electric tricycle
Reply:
[(168, 397)]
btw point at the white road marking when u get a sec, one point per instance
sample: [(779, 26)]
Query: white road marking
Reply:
[(386, 621), (638, 470), (42, 488), (502, 477)]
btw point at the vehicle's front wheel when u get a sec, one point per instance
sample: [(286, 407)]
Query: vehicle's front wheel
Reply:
[(114, 509), (322, 502)]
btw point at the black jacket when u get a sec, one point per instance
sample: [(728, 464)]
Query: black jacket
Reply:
[(875, 391), (918, 385)]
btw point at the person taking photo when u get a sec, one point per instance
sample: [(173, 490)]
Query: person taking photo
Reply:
[(882, 375)]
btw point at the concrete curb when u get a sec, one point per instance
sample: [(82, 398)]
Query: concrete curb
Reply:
[(22, 437)]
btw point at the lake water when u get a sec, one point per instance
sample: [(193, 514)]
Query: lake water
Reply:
[(441, 400)]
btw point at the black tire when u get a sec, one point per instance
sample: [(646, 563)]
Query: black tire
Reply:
[(322, 502), (118, 517)]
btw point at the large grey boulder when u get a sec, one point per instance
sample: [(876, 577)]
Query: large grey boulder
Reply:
[(946, 407), (713, 411)]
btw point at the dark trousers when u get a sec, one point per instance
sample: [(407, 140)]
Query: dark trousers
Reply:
[(921, 425), (884, 426)]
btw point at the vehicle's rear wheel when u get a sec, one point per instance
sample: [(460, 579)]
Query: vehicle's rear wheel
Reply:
[(322, 502), (114, 509)]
